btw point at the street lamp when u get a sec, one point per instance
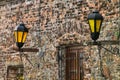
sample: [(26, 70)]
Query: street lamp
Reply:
[(95, 21), (20, 34)]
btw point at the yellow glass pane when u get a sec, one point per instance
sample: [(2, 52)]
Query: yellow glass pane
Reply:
[(91, 22), (98, 25), (20, 36), (15, 34), (24, 37)]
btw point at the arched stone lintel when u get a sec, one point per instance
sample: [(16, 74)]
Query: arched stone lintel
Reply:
[(70, 38)]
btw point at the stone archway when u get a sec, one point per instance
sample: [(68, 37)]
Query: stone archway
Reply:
[(70, 56)]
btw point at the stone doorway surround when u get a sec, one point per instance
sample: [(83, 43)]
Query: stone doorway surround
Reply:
[(14, 66), (66, 46)]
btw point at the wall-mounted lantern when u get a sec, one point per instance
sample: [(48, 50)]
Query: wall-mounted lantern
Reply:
[(95, 21), (20, 34)]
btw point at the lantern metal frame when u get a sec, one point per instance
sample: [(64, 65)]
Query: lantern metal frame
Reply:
[(20, 34), (95, 22)]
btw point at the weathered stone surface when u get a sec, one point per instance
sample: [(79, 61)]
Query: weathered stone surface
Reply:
[(55, 22)]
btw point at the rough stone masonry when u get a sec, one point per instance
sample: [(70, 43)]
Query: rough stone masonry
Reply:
[(54, 22)]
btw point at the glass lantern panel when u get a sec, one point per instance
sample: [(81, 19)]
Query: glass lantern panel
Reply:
[(98, 23), (24, 37), (91, 22), (15, 34), (20, 35)]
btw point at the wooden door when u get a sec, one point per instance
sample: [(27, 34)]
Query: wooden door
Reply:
[(74, 64)]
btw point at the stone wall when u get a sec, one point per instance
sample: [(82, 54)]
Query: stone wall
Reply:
[(48, 21)]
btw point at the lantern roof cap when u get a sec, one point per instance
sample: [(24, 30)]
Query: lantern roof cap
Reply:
[(95, 15), (21, 27)]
